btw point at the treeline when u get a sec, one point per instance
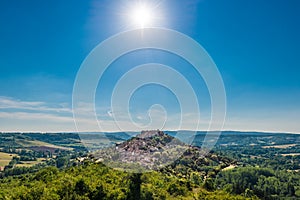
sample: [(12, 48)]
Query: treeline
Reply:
[(96, 181), (63, 159), (261, 182)]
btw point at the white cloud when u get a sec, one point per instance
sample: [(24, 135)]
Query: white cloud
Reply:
[(18, 115), (34, 116), (10, 103)]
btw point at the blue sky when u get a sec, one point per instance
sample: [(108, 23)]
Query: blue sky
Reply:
[(255, 45)]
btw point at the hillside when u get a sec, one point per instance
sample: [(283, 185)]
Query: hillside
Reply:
[(155, 150)]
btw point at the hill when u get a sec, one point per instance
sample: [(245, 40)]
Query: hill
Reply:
[(155, 150)]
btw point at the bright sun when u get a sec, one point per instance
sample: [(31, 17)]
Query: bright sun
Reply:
[(142, 16)]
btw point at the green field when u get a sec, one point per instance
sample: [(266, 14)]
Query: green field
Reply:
[(33, 143), (5, 158)]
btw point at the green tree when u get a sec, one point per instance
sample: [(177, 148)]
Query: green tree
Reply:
[(135, 186), (209, 184), (81, 187)]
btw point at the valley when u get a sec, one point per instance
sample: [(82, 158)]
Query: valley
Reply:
[(242, 165)]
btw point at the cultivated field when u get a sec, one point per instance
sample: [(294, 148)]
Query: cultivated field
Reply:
[(36, 143), (5, 158), (285, 146)]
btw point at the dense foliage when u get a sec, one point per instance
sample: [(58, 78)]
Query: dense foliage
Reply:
[(96, 181), (262, 182)]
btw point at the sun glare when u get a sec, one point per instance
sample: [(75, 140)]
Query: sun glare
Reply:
[(142, 16)]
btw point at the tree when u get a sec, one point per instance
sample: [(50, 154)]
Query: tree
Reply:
[(209, 184), (81, 187), (98, 194), (135, 186), (61, 162)]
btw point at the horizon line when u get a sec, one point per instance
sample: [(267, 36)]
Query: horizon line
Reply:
[(240, 131)]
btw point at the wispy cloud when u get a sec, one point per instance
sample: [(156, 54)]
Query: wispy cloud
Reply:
[(35, 116), (18, 115), (10, 103)]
